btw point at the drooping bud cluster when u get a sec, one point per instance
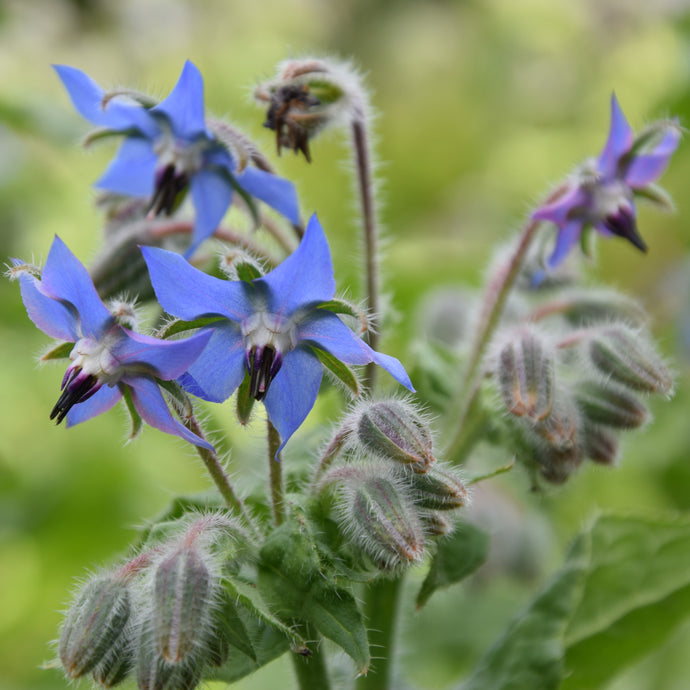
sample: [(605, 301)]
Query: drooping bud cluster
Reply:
[(392, 493), (568, 395), (156, 616)]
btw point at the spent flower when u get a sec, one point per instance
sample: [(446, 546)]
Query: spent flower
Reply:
[(601, 194), (170, 148), (271, 327), (108, 361)]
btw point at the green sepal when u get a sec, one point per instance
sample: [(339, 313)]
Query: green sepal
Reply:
[(247, 272), (231, 627), (246, 197), (60, 351), (245, 402), (340, 306), (458, 556), (339, 369), (180, 326), (105, 133), (134, 416), (179, 395), (656, 195)]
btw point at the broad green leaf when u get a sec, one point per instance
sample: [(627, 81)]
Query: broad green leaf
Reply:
[(245, 402), (529, 656), (340, 370), (458, 556), (335, 614), (637, 592)]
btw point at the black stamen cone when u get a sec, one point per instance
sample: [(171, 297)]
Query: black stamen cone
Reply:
[(623, 225), (169, 185), (71, 395), (261, 371)]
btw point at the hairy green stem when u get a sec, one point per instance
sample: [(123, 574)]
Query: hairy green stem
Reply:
[(275, 475), (311, 671), (382, 605), (363, 168), (218, 475)]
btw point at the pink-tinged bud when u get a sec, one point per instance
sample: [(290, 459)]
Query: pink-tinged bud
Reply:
[(436, 524), (154, 673), (380, 516), (600, 445), (626, 356), (559, 430), (96, 624), (556, 465), (610, 406), (393, 429), (525, 372), (438, 489)]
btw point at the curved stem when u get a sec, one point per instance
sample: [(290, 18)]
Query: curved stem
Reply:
[(311, 671), (275, 474), (382, 605), (363, 168), (218, 475)]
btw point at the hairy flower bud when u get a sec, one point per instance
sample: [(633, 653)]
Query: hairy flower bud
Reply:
[(600, 444), (438, 489), (116, 666), (395, 430), (610, 406), (627, 357), (525, 372), (95, 624), (556, 465), (436, 524)]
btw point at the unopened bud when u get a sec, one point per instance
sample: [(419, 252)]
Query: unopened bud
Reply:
[(438, 489), (625, 355), (382, 520), (436, 524), (395, 430), (600, 445), (584, 307), (124, 313), (525, 373), (556, 465), (237, 264), (95, 624), (115, 667), (610, 406), (154, 673), (560, 428)]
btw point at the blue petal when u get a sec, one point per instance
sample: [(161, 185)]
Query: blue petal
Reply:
[(168, 358), (568, 237), (211, 195), (558, 210), (305, 277), (273, 190), (327, 331), (65, 278), (184, 107), (50, 315), (220, 368), (87, 97), (101, 401), (150, 404), (188, 293), (619, 142), (293, 392), (646, 168), (133, 170)]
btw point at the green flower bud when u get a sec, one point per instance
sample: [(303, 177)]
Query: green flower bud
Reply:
[(95, 624), (436, 524), (600, 444), (627, 357), (438, 489), (525, 373), (393, 429), (116, 666), (610, 406), (556, 465)]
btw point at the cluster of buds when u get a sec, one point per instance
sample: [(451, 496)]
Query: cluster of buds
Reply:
[(393, 495), (159, 616), (569, 396)]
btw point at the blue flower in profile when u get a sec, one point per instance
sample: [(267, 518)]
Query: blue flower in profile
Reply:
[(601, 194), (269, 328), (108, 361), (169, 148)]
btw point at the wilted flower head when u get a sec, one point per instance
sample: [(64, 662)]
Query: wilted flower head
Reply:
[(109, 361), (271, 327), (601, 194), (169, 148)]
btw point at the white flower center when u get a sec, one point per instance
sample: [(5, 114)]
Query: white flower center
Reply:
[(263, 329), (185, 157), (93, 358)]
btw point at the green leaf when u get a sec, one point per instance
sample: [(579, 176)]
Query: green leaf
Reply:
[(340, 370), (458, 556), (530, 654), (336, 615), (245, 402), (179, 326), (58, 352), (636, 593)]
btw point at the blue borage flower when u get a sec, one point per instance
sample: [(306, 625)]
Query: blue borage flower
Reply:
[(108, 360), (601, 194), (268, 327), (169, 148)]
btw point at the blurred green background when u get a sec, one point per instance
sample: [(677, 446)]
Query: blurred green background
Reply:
[(481, 105)]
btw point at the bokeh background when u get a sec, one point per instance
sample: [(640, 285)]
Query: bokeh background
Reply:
[(481, 105)]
